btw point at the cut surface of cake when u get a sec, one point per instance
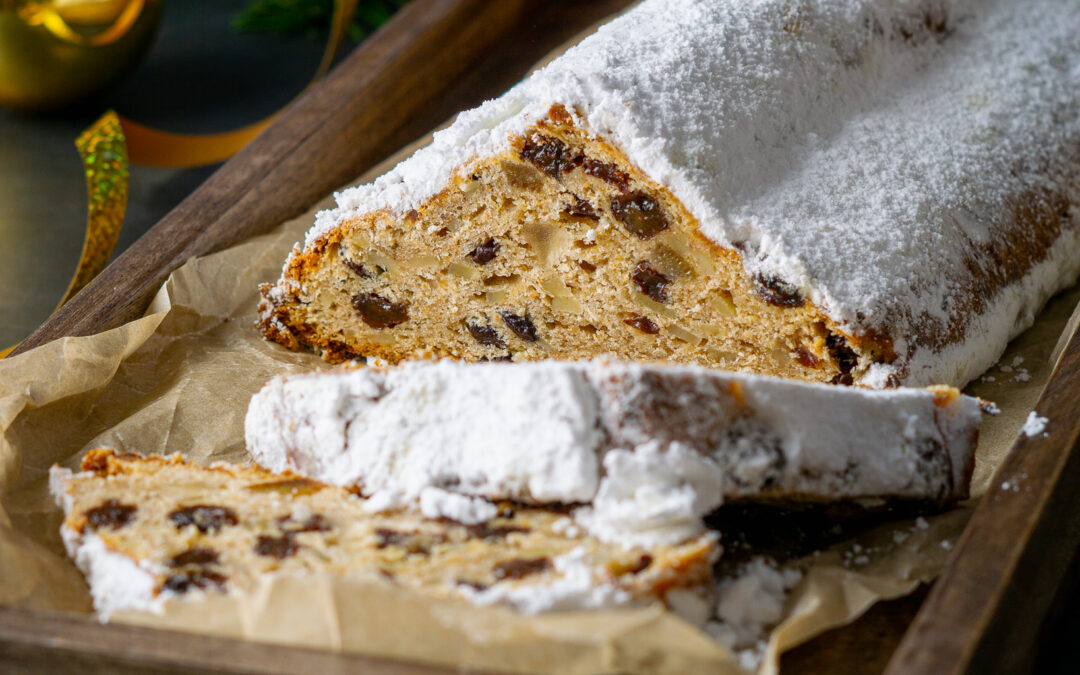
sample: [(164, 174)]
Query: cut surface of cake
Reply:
[(146, 529), (647, 450), (874, 191)]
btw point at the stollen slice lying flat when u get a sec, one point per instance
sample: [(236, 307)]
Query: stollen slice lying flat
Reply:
[(147, 529), (646, 450), (872, 191)]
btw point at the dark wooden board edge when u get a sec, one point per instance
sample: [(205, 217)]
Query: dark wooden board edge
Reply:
[(32, 641), (985, 611)]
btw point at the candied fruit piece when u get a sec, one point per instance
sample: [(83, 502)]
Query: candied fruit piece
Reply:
[(288, 486), (521, 567), (485, 335), (776, 291), (521, 325), (643, 324), (485, 252), (640, 214), (378, 312), (651, 282), (111, 514), (205, 517)]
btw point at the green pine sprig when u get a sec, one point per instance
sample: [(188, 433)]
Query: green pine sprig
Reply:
[(311, 17)]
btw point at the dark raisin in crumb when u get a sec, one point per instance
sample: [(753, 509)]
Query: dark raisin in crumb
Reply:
[(182, 582), (651, 282), (843, 378), (521, 325), (111, 514), (276, 547), (378, 312), (640, 214), (845, 357), (587, 266), (581, 209), (643, 324), (549, 155), (485, 252), (488, 531), (642, 564), (485, 335), (606, 172), (359, 268), (504, 358), (206, 518), (388, 537), (521, 567), (195, 556), (776, 291)]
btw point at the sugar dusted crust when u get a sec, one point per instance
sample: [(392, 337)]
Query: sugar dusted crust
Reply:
[(148, 528), (878, 191), (530, 255), (646, 450)]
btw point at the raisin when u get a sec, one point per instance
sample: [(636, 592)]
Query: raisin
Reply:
[(485, 335), (485, 252), (206, 518), (111, 514), (587, 266), (642, 564), (606, 172), (505, 358), (640, 214), (378, 312), (359, 268), (807, 358), (521, 567), (581, 209), (776, 291), (844, 379), (549, 155), (521, 325), (486, 531), (182, 582), (651, 282), (276, 547), (643, 324), (412, 542), (195, 556), (845, 357)]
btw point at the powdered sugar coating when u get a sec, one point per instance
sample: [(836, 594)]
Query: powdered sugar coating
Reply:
[(862, 150), (672, 441)]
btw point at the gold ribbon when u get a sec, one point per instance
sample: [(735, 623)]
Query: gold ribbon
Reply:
[(50, 16), (108, 145)]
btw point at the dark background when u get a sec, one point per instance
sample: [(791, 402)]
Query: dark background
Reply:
[(201, 77)]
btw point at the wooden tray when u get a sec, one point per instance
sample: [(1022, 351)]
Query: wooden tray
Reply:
[(434, 58)]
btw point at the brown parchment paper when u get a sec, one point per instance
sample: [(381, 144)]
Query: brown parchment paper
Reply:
[(179, 380)]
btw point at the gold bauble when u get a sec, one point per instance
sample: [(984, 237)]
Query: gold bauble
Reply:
[(54, 52)]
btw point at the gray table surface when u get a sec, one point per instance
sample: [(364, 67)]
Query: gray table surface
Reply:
[(198, 77)]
